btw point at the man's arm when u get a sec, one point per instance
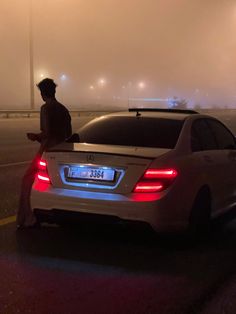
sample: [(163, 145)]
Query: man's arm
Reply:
[(44, 127)]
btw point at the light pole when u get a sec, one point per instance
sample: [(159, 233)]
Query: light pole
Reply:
[(31, 56), (102, 82), (129, 90)]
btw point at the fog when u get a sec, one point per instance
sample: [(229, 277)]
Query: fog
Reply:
[(110, 52)]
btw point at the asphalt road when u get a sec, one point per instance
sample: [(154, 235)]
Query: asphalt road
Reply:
[(105, 270), (56, 270)]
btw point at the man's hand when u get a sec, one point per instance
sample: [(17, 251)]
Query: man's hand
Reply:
[(32, 136)]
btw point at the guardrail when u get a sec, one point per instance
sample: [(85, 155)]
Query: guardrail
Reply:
[(18, 113), (35, 113)]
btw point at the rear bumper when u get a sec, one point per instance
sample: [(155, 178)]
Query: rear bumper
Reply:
[(63, 217), (151, 209)]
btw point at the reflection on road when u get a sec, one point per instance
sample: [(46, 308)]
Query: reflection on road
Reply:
[(113, 269)]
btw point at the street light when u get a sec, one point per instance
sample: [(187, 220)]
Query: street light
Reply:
[(141, 85), (31, 56), (101, 82)]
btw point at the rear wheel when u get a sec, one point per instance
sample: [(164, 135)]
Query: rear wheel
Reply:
[(200, 218)]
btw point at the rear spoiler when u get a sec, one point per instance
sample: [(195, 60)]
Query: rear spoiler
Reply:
[(184, 111)]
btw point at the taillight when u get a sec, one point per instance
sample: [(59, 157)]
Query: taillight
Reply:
[(155, 180), (44, 178), (42, 165), (42, 174)]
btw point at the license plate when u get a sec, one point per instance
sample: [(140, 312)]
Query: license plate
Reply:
[(91, 173)]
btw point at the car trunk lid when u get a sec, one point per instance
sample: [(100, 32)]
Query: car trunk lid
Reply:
[(99, 167)]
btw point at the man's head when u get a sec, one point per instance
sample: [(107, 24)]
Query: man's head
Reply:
[(47, 88)]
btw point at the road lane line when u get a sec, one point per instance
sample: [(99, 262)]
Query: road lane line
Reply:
[(15, 164), (8, 220)]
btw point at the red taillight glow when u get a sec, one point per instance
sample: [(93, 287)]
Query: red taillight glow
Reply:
[(160, 173), (42, 174), (148, 187), (43, 177), (42, 165), (155, 180)]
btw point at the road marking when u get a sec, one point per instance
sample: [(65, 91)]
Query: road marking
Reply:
[(8, 220), (15, 164)]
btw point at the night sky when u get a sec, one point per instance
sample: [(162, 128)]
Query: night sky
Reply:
[(183, 48)]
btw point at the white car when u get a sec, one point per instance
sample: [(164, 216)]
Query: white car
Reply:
[(170, 169)]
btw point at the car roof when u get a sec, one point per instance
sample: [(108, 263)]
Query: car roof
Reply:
[(175, 114)]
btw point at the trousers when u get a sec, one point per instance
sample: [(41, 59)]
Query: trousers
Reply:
[(25, 216)]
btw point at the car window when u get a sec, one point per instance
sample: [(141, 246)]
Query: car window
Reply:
[(224, 137), (202, 137), (133, 131)]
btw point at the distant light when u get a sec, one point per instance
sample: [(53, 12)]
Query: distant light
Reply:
[(63, 77), (41, 73), (91, 87), (141, 85), (102, 82)]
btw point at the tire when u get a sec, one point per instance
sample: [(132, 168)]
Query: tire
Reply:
[(200, 217)]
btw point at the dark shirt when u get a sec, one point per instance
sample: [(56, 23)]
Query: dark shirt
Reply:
[(55, 124)]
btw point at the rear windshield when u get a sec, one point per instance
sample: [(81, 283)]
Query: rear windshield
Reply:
[(132, 131)]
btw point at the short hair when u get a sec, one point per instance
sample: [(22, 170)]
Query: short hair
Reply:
[(47, 87)]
